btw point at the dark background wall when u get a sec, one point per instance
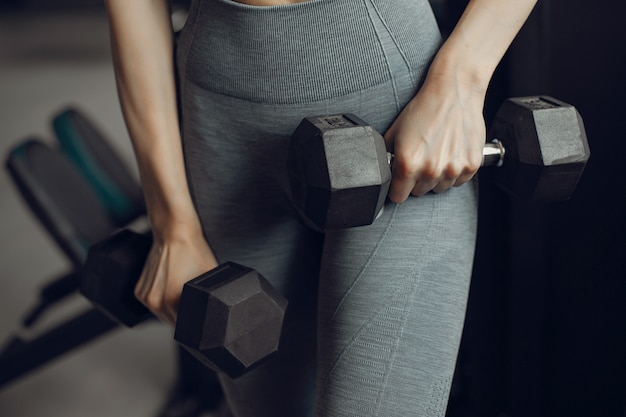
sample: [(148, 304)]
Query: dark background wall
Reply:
[(546, 326)]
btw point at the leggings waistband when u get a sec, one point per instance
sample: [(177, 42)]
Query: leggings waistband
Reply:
[(306, 51)]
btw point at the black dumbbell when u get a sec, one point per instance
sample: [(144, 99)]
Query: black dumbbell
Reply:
[(230, 317), (340, 172)]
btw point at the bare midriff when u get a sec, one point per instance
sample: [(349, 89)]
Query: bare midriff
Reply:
[(269, 2)]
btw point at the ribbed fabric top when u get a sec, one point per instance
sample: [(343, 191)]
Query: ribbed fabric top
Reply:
[(301, 52)]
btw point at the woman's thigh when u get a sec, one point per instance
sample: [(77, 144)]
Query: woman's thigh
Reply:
[(392, 303)]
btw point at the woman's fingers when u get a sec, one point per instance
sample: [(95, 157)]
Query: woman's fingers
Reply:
[(443, 185), (433, 153), (150, 289), (168, 267), (420, 175)]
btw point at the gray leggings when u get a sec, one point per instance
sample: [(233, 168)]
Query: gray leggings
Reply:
[(376, 313)]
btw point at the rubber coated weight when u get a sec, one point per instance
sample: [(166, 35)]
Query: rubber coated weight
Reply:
[(339, 169), (230, 317), (110, 274), (546, 148)]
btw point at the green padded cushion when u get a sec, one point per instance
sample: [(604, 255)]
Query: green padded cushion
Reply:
[(101, 166)]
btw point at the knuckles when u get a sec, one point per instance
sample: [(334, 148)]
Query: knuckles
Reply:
[(431, 170), (431, 174), (407, 168)]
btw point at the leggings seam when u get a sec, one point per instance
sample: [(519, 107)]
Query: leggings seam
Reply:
[(382, 49), (369, 6), (416, 272), (361, 272), (392, 37), (366, 265)]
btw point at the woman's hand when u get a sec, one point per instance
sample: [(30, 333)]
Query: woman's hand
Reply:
[(174, 259), (147, 91), (437, 139)]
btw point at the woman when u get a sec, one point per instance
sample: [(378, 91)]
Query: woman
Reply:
[(376, 312)]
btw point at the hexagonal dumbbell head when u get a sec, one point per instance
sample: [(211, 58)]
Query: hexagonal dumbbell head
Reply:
[(546, 148), (230, 318), (339, 171), (111, 272)]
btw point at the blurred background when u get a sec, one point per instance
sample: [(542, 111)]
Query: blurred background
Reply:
[(55, 54), (545, 333)]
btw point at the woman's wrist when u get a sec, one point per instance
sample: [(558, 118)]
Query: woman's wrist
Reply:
[(174, 225), (479, 41), (454, 63), (171, 220)]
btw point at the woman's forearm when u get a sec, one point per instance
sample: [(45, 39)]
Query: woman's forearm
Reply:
[(480, 39), (142, 47), (439, 135)]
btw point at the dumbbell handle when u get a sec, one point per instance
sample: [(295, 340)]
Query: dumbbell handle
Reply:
[(493, 154)]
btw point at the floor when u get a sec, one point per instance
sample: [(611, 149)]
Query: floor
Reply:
[(49, 61)]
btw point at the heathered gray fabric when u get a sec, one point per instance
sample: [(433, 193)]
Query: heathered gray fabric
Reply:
[(376, 312)]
